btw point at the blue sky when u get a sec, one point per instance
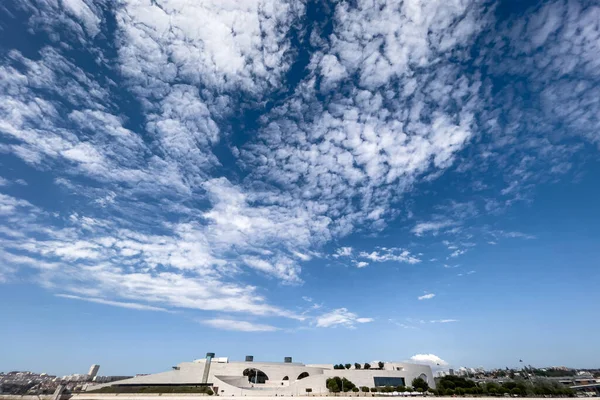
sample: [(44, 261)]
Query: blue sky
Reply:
[(332, 181)]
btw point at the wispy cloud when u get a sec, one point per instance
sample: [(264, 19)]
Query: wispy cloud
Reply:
[(340, 317), (432, 227), (133, 306), (443, 321), (427, 296), (237, 325)]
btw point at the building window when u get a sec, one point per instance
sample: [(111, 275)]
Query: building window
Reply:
[(388, 381), (302, 375), (255, 375)]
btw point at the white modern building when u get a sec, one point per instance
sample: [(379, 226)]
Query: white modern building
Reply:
[(250, 378)]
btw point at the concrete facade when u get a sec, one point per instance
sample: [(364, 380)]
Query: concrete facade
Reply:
[(236, 378)]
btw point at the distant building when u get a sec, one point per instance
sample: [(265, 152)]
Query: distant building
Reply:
[(451, 372), (93, 371)]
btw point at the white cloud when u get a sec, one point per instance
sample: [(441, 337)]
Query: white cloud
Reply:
[(343, 252), (385, 254), (330, 157), (443, 321), (237, 325), (456, 253), (342, 317), (432, 227), (430, 359), (426, 296), (133, 306)]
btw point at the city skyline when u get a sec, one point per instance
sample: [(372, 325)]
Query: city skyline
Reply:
[(395, 180)]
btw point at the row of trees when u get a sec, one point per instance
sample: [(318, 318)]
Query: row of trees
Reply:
[(337, 384), (455, 385), (357, 366)]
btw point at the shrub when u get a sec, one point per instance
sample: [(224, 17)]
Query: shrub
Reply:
[(364, 389), (367, 366), (355, 389), (373, 390)]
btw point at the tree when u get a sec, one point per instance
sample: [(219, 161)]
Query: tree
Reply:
[(419, 383), (380, 364), (348, 366), (400, 389), (355, 389), (337, 384), (374, 390), (357, 365), (409, 389), (364, 389), (332, 385), (367, 366)]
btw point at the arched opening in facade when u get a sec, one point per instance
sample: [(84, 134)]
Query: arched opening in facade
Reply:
[(285, 378), (424, 377), (255, 375), (302, 375)]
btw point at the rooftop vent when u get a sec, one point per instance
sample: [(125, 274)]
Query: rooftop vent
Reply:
[(287, 359), (249, 358)]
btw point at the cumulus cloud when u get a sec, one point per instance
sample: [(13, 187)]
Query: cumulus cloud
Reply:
[(340, 317), (237, 325), (427, 296), (431, 359)]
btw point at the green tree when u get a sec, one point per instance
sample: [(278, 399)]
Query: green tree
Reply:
[(367, 366), (364, 389), (348, 366), (357, 365), (400, 389), (355, 389), (419, 383), (374, 390), (332, 385), (380, 364), (410, 389)]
